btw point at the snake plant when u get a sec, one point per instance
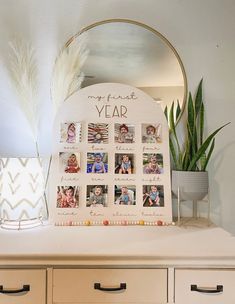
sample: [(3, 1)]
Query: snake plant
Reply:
[(194, 154)]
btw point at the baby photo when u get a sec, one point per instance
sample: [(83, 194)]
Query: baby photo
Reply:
[(69, 162), (67, 196), (97, 162), (151, 133), (152, 163), (98, 133), (70, 132), (125, 195), (96, 196), (153, 196), (124, 163), (124, 133)]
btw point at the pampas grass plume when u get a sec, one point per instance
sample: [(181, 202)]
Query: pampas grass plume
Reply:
[(24, 77), (67, 75)]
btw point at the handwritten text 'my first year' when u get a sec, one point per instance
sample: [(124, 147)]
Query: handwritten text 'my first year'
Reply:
[(110, 111)]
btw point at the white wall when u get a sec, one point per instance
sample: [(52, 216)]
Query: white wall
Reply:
[(202, 32)]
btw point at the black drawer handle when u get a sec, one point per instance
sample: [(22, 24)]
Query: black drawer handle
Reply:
[(24, 289), (121, 287), (219, 288)]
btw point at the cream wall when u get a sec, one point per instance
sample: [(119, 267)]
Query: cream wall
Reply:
[(202, 32)]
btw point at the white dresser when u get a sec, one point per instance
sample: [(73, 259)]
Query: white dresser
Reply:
[(70, 265)]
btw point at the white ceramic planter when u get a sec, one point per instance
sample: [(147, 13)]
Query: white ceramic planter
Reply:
[(190, 185)]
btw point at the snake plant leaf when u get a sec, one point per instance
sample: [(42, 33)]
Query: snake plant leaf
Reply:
[(172, 122), (171, 119), (178, 110), (202, 161), (201, 123), (191, 149), (191, 125), (203, 168), (166, 113), (198, 98), (173, 130), (204, 147), (191, 115), (173, 154), (185, 158)]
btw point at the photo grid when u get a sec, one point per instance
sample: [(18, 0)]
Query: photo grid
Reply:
[(149, 191)]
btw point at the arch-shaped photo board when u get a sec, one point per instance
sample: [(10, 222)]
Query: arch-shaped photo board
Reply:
[(110, 163)]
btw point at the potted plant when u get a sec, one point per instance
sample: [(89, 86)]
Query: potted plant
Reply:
[(190, 157)]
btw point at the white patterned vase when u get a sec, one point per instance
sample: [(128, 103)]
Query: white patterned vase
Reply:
[(22, 193)]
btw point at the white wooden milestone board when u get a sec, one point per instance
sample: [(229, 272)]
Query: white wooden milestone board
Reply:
[(110, 161)]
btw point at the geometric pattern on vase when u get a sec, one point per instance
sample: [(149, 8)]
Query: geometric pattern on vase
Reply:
[(22, 186)]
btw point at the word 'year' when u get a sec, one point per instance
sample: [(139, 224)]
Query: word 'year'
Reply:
[(109, 111)]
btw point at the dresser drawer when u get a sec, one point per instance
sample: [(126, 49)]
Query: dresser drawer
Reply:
[(33, 281), (203, 286), (83, 286)]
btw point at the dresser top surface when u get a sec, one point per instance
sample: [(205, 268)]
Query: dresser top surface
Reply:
[(131, 243)]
